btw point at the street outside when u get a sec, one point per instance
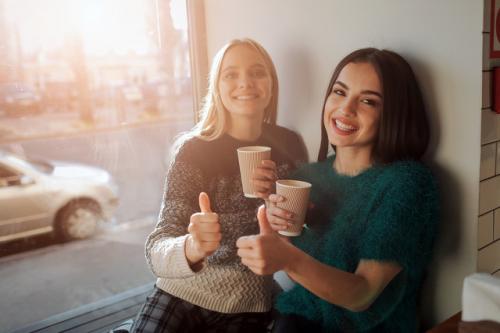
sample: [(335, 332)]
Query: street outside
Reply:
[(41, 277)]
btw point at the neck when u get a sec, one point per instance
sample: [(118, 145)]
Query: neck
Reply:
[(352, 162), (244, 128)]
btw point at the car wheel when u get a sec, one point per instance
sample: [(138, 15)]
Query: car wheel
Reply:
[(78, 220)]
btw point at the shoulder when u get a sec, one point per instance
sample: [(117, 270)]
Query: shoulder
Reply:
[(285, 141), (192, 149), (411, 174), (410, 184), (279, 133), (311, 171)]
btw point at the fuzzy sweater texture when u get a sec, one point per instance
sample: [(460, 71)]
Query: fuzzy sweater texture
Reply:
[(223, 284), (386, 213)]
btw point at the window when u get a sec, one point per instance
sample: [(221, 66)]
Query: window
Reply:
[(92, 95)]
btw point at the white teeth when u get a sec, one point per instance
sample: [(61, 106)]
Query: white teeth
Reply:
[(343, 126), (245, 97)]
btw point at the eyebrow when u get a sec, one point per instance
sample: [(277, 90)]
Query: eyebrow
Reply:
[(368, 92), (252, 66)]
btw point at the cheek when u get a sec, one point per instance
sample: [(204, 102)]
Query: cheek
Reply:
[(327, 122), (374, 123), (267, 85)]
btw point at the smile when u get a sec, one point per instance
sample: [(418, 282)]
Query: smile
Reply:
[(343, 128), (245, 97)]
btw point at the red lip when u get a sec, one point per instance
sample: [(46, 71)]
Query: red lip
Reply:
[(340, 131)]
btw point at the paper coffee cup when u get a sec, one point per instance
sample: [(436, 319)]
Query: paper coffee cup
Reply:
[(249, 158), (296, 194)]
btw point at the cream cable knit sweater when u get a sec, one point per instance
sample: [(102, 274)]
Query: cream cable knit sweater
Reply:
[(223, 284)]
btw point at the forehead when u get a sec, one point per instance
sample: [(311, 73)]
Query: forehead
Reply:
[(242, 56), (362, 74)]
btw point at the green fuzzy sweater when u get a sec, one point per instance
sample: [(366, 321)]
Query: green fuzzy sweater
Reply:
[(386, 213)]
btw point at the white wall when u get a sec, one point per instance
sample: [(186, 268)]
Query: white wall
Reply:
[(441, 39)]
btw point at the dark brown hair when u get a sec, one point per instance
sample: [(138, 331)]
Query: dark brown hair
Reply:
[(403, 131)]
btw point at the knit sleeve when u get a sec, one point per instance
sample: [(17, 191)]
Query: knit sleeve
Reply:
[(165, 245), (401, 227)]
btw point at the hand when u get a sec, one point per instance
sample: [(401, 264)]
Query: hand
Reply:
[(279, 219), (204, 232), (265, 253), (264, 178)]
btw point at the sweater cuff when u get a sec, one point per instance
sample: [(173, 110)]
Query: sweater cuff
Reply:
[(169, 258)]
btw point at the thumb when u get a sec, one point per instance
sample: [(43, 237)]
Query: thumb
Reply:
[(204, 201), (264, 226)]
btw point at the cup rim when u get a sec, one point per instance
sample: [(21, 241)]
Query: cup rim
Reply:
[(253, 149), (296, 183)]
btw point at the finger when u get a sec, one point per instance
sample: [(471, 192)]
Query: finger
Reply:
[(264, 174), (278, 227), (204, 202), (207, 237), (264, 226), (245, 242), (280, 213), (270, 164), (209, 246), (247, 253), (212, 218), (275, 198), (263, 184), (251, 262), (201, 227), (279, 224)]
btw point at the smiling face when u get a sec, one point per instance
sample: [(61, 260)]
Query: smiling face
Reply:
[(245, 84), (352, 110)]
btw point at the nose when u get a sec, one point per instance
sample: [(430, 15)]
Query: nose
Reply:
[(348, 108), (245, 81)]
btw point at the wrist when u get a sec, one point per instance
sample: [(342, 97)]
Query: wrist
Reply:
[(291, 255), (192, 256)]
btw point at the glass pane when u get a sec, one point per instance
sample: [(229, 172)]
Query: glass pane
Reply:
[(92, 95)]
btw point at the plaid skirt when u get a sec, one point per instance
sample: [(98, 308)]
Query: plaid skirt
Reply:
[(164, 313)]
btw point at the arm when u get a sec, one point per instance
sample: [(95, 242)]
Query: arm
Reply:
[(353, 291), (165, 246), (267, 253)]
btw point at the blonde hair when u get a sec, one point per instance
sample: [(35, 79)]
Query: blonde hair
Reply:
[(213, 115)]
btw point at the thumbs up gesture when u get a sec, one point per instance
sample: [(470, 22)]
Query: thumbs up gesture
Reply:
[(267, 252), (204, 232)]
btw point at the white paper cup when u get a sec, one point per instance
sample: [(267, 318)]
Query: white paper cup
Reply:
[(296, 194), (249, 158)]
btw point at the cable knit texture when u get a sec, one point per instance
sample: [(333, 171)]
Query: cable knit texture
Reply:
[(386, 213), (223, 284)]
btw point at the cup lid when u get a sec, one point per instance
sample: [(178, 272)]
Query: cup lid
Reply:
[(253, 149), (293, 183)]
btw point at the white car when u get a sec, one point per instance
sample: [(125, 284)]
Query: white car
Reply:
[(39, 197)]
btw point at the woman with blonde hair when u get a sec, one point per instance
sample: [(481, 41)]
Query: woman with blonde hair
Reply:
[(202, 285)]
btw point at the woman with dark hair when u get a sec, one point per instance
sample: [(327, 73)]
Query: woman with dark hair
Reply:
[(358, 264)]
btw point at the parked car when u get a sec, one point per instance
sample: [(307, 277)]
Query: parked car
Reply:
[(38, 196), (18, 99)]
